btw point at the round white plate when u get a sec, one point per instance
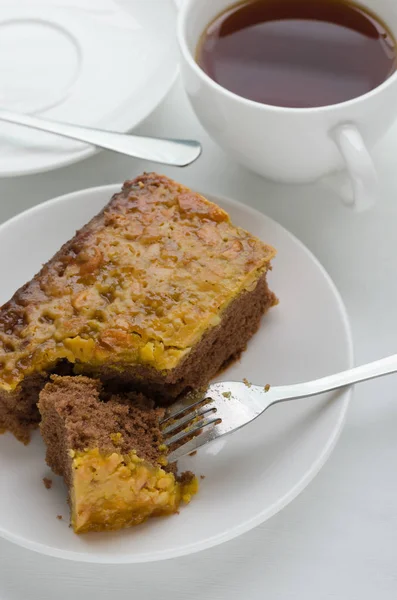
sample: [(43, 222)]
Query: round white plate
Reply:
[(99, 63), (251, 474)]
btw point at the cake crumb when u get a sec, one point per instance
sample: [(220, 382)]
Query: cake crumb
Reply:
[(47, 483), (267, 387), (59, 517), (202, 476), (227, 395), (116, 438), (193, 453), (246, 382)]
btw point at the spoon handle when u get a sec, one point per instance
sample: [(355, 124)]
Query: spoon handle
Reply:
[(174, 152)]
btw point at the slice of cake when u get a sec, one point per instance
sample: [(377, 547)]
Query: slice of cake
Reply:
[(155, 293), (110, 455)]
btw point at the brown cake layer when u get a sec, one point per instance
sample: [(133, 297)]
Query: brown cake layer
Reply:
[(18, 409), (73, 417)]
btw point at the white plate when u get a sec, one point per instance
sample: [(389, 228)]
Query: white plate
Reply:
[(251, 474), (100, 63)]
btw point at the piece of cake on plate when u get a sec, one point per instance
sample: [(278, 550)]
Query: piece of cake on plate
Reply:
[(154, 294), (110, 454)]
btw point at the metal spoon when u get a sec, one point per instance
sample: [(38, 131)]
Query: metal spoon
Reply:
[(162, 150)]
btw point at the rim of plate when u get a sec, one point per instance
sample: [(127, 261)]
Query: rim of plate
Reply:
[(271, 510), (123, 126)]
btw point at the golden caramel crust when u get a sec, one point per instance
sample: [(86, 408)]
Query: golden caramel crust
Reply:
[(139, 284), (114, 491)]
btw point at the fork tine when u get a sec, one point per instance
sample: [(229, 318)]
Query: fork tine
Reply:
[(192, 445), (199, 426), (181, 407), (237, 404), (190, 417)]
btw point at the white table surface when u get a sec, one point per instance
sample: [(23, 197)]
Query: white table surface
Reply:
[(338, 539)]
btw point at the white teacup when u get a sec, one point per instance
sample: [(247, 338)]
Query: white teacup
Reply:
[(288, 144)]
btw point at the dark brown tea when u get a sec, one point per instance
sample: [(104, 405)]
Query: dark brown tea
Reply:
[(297, 53)]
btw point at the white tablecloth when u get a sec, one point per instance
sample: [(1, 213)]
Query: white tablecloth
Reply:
[(338, 540)]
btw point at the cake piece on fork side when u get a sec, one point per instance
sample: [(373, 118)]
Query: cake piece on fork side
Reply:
[(110, 455)]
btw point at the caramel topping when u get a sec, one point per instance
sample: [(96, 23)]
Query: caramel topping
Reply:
[(139, 284), (121, 490)]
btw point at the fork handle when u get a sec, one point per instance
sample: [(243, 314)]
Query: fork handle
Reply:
[(378, 368)]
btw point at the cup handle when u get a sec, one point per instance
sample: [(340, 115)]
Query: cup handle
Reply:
[(362, 192)]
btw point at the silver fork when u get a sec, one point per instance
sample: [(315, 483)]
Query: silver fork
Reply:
[(229, 405)]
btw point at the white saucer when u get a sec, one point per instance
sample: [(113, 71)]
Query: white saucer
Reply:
[(250, 475), (100, 63)]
